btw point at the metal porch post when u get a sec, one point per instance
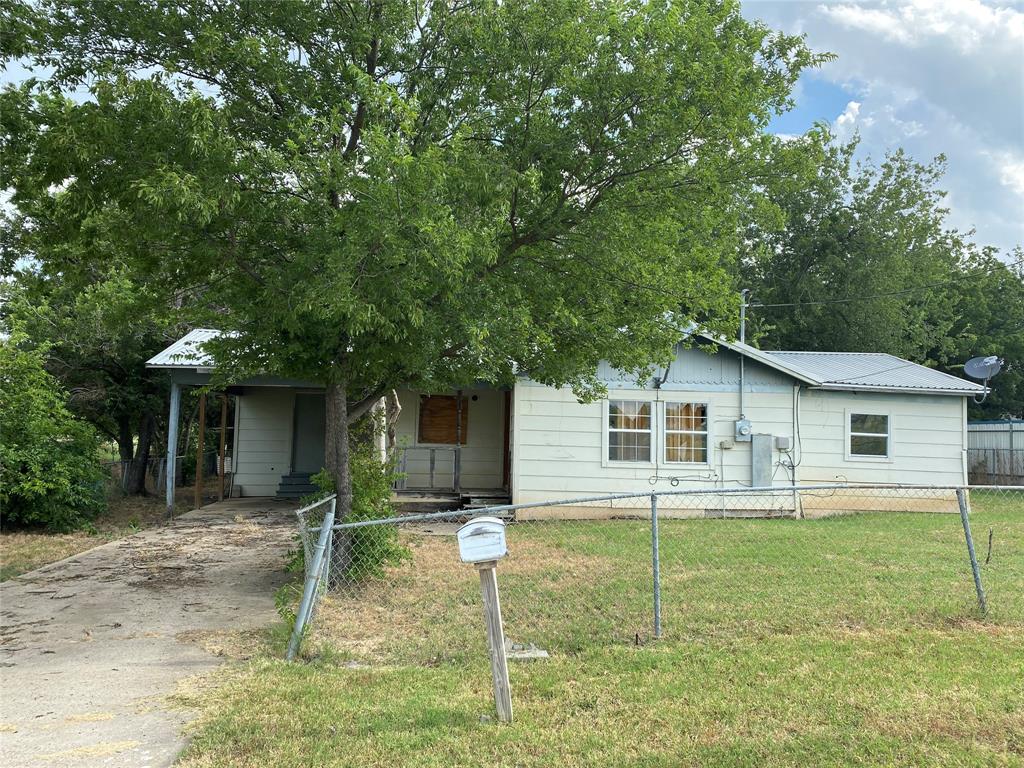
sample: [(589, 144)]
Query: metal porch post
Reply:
[(200, 447), (172, 445)]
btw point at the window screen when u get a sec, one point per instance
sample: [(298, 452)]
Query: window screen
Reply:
[(869, 434), (629, 430), (686, 432)]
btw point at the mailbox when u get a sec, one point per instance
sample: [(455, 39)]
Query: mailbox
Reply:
[(482, 540)]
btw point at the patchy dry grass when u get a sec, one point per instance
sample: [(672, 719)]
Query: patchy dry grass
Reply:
[(831, 642), (23, 551)]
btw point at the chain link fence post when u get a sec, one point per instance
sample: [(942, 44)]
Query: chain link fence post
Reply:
[(656, 565), (314, 575), (961, 497)]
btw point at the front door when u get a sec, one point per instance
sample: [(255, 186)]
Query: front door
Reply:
[(308, 439)]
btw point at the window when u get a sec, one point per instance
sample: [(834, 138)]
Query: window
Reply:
[(629, 430), (686, 433), (439, 416), (869, 435)]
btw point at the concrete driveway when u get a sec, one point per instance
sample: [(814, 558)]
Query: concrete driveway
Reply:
[(91, 647)]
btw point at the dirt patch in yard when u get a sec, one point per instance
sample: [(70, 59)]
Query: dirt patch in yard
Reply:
[(428, 609)]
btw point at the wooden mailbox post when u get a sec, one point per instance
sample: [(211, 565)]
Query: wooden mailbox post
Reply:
[(482, 542)]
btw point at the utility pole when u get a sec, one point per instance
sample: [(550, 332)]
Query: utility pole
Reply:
[(744, 296)]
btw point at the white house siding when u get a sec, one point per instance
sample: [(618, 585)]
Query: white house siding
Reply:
[(481, 453), (264, 439), (559, 444), (927, 446)]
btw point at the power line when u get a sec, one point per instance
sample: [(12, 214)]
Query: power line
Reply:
[(849, 299)]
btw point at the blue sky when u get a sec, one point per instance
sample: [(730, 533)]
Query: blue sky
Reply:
[(933, 76), (817, 100)]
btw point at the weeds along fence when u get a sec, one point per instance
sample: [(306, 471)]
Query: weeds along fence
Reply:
[(681, 564)]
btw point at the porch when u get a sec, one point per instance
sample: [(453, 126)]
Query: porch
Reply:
[(449, 448)]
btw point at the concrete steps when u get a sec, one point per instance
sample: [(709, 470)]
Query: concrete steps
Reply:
[(295, 486)]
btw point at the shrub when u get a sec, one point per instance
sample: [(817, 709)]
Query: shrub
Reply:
[(373, 547), (50, 474)]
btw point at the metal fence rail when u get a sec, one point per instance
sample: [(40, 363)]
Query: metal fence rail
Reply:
[(628, 567), (316, 561)]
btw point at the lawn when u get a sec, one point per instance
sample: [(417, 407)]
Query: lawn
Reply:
[(23, 551), (848, 640)]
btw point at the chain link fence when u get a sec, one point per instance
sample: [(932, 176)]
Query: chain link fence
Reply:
[(726, 564)]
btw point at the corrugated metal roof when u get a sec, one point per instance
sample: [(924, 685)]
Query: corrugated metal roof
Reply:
[(873, 370), (186, 352)]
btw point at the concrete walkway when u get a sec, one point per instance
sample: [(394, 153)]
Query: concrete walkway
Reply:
[(91, 647)]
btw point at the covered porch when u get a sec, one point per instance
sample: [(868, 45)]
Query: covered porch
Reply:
[(449, 448)]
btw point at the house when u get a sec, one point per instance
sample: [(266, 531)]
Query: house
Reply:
[(723, 414)]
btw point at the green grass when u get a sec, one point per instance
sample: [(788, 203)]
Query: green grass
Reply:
[(22, 551), (844, 641)]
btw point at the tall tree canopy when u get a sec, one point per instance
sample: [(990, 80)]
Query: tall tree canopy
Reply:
[(864, 260), (858, 244), (388, 192), (98, 327)]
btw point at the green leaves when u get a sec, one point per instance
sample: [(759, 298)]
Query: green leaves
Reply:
[(387, 193), (49, 460)]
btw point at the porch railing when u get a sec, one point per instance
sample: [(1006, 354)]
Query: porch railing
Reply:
[(423, 460)]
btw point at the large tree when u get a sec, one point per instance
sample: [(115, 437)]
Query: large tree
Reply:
[(989, 297), (381, 192), (98, 327), (863, 258)]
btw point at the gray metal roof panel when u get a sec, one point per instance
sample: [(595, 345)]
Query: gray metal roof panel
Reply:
[(186, 352), (874, 370)]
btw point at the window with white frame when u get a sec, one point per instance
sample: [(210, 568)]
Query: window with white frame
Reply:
[(868, 435), (630, 430), (686, 433)]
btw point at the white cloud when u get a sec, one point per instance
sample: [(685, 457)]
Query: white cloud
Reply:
[(936, 78)]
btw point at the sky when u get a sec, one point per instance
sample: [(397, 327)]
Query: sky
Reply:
[(942, 77)]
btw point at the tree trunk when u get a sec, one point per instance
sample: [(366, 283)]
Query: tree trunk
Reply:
[(392, 410), (336, 462), (135, 482), (125, 438)]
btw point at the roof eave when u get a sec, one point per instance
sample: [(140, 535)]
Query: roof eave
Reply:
[(839, 387)]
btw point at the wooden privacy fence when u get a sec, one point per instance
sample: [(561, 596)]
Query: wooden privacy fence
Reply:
[(995, 466)]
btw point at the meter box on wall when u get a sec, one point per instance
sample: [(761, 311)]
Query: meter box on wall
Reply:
[(482, 540)]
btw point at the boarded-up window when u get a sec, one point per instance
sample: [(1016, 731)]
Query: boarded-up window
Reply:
[(439, 420)]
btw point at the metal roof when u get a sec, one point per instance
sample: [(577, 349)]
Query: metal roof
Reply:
[(849, 371), (186, 352), (875, 371)]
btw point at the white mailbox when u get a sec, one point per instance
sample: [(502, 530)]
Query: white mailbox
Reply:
[(481, 540)]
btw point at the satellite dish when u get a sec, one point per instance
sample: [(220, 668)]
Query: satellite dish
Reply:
[(983, 368)]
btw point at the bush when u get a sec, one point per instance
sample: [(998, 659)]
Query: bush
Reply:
[(50, 474), (372, 547)]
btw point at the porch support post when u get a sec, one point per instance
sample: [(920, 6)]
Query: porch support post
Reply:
[(199, 450), (172, 445), (457, 469), (223, 438)]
